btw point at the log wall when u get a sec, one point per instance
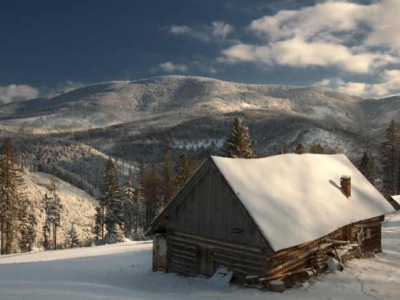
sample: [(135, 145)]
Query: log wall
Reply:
[(184, 256), (313, 255)]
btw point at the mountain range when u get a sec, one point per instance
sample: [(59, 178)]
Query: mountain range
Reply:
[(133, 120)]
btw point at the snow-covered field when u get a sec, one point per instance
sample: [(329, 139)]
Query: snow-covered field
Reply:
[(123, 271)]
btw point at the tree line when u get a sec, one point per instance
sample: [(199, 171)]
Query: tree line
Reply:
[(17, 219), (127, 209), (239, 145)]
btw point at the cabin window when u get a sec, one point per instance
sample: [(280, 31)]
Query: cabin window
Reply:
[(368, 233)]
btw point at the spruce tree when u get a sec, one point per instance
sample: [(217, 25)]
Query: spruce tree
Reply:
[(12, 198), (46, 236), (184, 172), (115, 234), (169, 178), (140, 219), (52, 209), (98, 229), (55, 208), (153, 195), (300, 148), (390, 159), (72, 237), (238, 143), (317, 148), (27, 231), (129, 207), (111, 199), (366, 167)]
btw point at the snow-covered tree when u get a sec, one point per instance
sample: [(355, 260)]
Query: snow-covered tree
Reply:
[(12, 198), (140, 198), (72, 237), (238, 143), (46, 236), (115, 235), (111, 200), (130, 209), (52, 208), (98, 229), (27, 231)]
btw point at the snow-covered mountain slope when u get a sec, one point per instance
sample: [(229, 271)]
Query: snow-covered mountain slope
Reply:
[(123, 271), (78, 206), (172, 100)]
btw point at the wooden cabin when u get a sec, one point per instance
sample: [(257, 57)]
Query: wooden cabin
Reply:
[(273, 218)]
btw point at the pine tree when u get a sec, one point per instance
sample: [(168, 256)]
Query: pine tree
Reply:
[(129, 207), (183, 171), (390, 159), (116, 235), (52, 208), (46, 236), (193, 166), (153, 195), (111, 200), (366, 167), (12, 198), (72, 237), (317, 148), (169, 178), (27, 231), (300, 148), (98, 229), (140, 198), (55, 209), (238, 143)]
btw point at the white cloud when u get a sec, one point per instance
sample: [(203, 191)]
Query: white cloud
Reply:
[(17, 92), (179, 29), (389, 83), (298, 53), (221, 29), (206, 33), (317, 21), (385, 23), (339, 34), (170, 67)]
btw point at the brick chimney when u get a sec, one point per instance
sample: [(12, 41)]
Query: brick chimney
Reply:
[(345, 182)]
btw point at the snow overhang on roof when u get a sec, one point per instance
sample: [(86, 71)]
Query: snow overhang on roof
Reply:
[(396, 198), (297, 198)]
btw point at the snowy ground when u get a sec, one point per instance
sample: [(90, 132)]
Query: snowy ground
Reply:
[(123, 271)]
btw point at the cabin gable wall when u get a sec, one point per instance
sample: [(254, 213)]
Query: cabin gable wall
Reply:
[(211, 210)]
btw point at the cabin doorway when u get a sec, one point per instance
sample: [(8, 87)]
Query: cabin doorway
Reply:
[(205, 260)]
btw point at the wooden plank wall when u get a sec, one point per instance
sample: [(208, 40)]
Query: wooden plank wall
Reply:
[(243, 260), (373, 243), (313, 254), (210, 209)]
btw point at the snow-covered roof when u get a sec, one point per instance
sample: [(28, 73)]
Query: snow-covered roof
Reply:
[(396, 198), (297, 198)]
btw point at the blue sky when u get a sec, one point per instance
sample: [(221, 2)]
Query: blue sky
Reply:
[(350, 46)]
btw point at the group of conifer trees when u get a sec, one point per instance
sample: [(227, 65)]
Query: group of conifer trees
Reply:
[(238, 144), (17, 224), (390, 160), (127, 210)]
